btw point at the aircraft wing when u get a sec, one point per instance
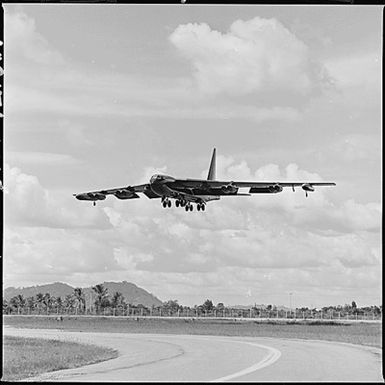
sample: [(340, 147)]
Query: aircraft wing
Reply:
[(231, 187), (127, 192), (196, 183)]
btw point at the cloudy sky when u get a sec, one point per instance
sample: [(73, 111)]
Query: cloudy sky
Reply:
[(101, 96)]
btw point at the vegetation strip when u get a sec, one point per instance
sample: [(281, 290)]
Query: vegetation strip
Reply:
[(98, 301), (28, 357), (356, 332)]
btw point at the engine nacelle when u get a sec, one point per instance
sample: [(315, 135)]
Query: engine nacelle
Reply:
[(307, 187), (229, 189), (90, 197), (126, 194), (276, 188)]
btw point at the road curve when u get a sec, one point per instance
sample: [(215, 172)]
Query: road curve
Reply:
[(159, 357)]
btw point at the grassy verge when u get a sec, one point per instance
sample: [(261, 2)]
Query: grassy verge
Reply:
[(27, 357), (357, 333)]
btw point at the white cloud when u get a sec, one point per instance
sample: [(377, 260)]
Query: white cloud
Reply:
[(28, 203), (257, 55), (39, 158), (23, 40), (40, 79), (363, 70)]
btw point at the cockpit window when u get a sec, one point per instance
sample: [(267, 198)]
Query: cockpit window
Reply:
[(153, 178), (159, 178)]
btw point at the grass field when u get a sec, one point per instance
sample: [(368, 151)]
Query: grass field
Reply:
[(27, 357), (357, 333)]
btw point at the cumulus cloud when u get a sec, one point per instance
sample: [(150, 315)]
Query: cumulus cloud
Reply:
[(28, 203), (24, 40), (256, 55), (40, 254), (39, 77), (268, 234), (272, 231)]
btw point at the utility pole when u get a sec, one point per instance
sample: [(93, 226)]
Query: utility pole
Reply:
[(290, 294)]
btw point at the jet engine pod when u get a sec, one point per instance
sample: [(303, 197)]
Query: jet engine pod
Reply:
[(126, 194), (307, 187), (90, 197), (276, 188), (229, 189)]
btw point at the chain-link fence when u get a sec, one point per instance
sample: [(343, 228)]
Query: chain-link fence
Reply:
[(199, 313)]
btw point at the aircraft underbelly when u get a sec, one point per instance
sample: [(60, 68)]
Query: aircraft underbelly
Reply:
[(161, 189)]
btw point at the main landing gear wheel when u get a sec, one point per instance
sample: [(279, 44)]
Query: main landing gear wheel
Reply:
[(186, 208), (164, 204), (169, 203), (177, 203)]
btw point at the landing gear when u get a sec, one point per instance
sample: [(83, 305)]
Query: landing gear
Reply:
[(201, 206), (177, 203), (189, 207), (94, 203), (166, 202)]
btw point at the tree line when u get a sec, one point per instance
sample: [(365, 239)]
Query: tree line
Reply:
[(103, 300)]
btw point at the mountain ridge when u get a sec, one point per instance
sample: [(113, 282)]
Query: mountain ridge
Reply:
[(132, 293)]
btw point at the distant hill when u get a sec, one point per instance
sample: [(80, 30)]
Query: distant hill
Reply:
[(133, 294), (56, 289)]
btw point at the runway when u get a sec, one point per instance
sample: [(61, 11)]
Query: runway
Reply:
[(159, 357)]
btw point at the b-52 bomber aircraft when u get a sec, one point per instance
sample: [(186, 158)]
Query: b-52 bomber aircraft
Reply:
[(198, 191)]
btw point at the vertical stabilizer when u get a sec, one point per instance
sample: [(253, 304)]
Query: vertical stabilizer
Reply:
[(212, 173)]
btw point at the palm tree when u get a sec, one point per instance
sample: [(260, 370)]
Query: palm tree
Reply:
[(101, 296), (69, 301), (79, 296), (117, 300), (20, 301), (47, 300), (59, 303), (31, 302), (5, 306), (39, 300)]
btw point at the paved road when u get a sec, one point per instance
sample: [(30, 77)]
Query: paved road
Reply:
[(159, 357)]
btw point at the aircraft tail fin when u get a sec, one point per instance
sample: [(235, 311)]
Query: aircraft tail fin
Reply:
[(212, 169)]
